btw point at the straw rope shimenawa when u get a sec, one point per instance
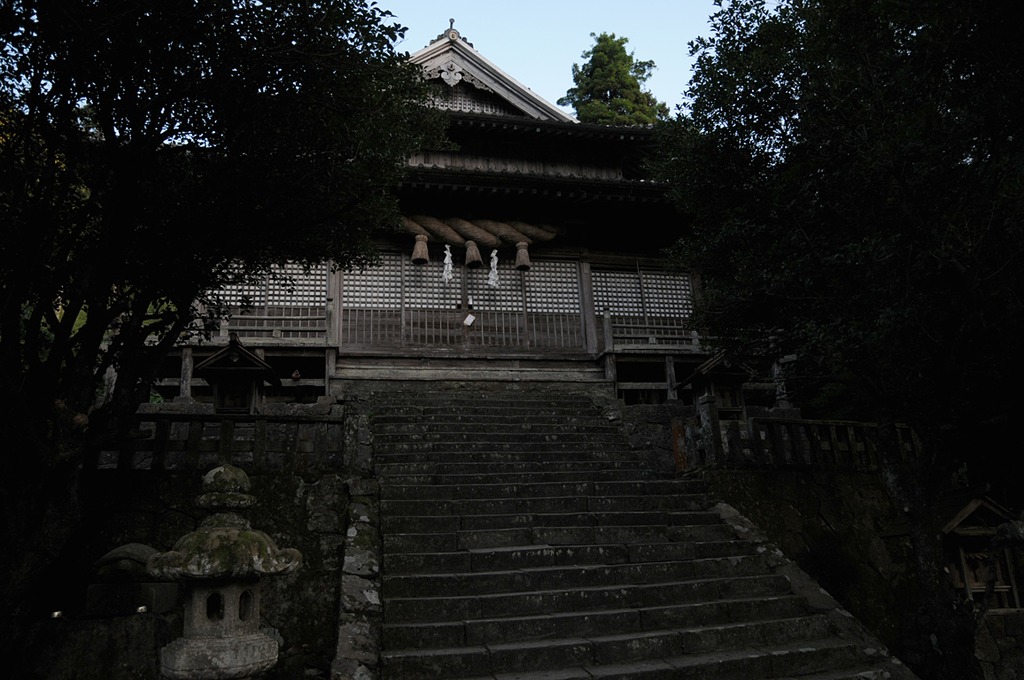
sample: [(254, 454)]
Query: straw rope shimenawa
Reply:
[(504, 231), (439, 230), (472, 232), (488, 233)]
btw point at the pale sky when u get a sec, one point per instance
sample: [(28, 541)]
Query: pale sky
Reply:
[(537, 41)]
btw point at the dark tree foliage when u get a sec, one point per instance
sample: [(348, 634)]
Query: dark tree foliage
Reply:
[(853, 178), (150, 152), (609, 86)]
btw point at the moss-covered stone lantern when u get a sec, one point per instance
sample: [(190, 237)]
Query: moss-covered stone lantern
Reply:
[(221, 563)]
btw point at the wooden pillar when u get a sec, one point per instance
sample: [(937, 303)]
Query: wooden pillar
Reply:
[(670, 378), (610, 372), (185, 381), (707, 411), (333, 317), (588, 314)]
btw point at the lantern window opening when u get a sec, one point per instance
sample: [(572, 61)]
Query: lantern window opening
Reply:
[(245, 605), (215, 607)]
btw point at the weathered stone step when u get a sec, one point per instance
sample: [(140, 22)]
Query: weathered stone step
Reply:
[(601, 489), (440, 401), (440, 560), (540, 533), (624, 467), (489, 436), (423, 523), (744, 663), (616, 635), (403, 479), (545, 504), (500, 445), (605, 454), (552, 569), (510, 413), (538, 536), (403, 426), (419, 610)]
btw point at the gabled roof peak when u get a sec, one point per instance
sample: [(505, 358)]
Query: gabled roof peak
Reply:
[(476, 84)]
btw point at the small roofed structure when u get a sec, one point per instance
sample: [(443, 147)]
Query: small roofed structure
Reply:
[(985, 570), (237, 376)]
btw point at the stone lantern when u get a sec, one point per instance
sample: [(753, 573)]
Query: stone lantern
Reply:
[(221, 563)]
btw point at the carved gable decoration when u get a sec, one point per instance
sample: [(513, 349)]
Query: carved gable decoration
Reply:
[(451, 60)]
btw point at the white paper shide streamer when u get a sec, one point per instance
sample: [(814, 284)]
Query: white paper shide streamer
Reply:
[(447, 275), (492, 278)]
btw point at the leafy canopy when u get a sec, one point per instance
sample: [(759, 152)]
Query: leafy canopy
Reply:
[(853, 178), (151, 151), (609, 86)]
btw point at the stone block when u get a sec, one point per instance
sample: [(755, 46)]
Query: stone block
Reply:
[(359, 594), (326, 505), (332, 551), (346, 669), (358, 640)]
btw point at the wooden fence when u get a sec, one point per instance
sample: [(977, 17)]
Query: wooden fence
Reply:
[(191, 442), (782, 442)]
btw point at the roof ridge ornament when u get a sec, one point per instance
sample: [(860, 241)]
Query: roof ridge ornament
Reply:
[(450, 34)]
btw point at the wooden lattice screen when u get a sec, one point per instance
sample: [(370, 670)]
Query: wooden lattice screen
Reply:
[(398, 303), (647, 307), (290, 302)]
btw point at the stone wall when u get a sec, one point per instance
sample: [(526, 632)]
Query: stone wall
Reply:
[(327, 511), (840, 526)]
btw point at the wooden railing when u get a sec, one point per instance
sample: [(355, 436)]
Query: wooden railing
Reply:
[(301, 325), (781, 442), (198, 442), (625, 333), (375, 328)]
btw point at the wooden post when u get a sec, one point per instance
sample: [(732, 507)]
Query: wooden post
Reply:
[(333, 300), (588, 314), (670, 378), (707, 410), (609, 339), (330, 368), (185, 381), (610, 372)]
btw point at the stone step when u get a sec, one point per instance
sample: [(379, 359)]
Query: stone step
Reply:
[(538, 536), (688, 502), (501, 445), (630, 467), (554, 568), (418, 610), (411, 562), (441, 401), (616, 635), (491, 435), (467, 423), (605, 454), (598, 489), (583, 655), (404, 479), (510, 413), (430, 523)]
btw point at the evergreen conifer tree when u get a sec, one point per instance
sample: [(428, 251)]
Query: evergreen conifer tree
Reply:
[(609, 86)]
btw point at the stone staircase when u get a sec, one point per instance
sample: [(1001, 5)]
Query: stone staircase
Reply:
[(524, 540)]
